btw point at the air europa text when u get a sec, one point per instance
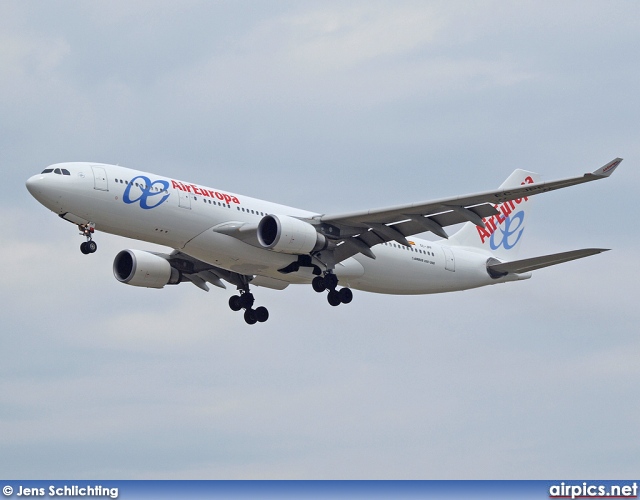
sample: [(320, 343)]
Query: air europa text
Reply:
[(192, 188)]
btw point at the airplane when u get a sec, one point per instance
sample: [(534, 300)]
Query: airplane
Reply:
[(219, 236)]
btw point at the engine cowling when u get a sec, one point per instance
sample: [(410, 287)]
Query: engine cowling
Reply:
[(285, 234), (140, 268)]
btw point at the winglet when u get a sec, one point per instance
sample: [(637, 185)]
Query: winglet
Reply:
[(608, 169)]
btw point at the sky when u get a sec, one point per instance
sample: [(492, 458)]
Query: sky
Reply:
[(330, 107)]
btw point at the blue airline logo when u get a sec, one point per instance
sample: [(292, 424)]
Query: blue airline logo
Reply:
[(504, 229), (506, 241), (146, 194)]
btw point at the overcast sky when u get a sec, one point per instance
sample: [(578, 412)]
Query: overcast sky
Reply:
[(328, 106)]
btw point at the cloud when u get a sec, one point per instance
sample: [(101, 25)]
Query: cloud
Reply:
[(349, 35)]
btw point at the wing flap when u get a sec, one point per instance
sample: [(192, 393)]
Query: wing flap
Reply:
[(527, 265), (444, 219), (199, 272)]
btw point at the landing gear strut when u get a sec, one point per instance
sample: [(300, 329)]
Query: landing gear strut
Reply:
[(245, 301), (330, 282), (87, 230)]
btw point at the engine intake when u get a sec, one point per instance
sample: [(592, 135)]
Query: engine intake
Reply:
[(285, 234), (140, 268)]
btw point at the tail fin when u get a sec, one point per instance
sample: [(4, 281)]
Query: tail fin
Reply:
[(502, 234)]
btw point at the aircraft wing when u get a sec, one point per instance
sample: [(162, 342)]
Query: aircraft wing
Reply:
[(359, 231), (526, 265)]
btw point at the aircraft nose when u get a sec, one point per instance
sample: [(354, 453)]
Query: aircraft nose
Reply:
[(32, 184), (41, 189)]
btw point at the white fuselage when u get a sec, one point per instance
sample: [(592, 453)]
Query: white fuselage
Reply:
[(182, 216)]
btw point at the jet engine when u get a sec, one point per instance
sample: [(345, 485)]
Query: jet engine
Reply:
[(285, 234), (140, 268)]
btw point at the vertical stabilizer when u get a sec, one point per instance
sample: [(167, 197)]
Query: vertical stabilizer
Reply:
[(502, 234)]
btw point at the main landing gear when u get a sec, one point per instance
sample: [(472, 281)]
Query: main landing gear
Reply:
[(329, 282), (88, 246), (245, 301)]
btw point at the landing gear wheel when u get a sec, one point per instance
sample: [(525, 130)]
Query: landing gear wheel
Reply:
[(261, 314), (345, 295), (250, 317), (87, 231), (330, 281), (318, 284), (246, 300), (234, 303), (334, 298)]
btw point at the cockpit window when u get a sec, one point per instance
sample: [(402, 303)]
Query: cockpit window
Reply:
[(59, 171)]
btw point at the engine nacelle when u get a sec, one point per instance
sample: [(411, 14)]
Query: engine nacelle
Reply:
[(140, 268), (285, 234)]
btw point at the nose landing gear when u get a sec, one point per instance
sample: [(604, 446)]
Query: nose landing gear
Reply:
[(87, 230), (330, 282)]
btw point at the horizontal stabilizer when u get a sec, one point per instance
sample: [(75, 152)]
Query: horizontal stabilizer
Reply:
[(526, 265)]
